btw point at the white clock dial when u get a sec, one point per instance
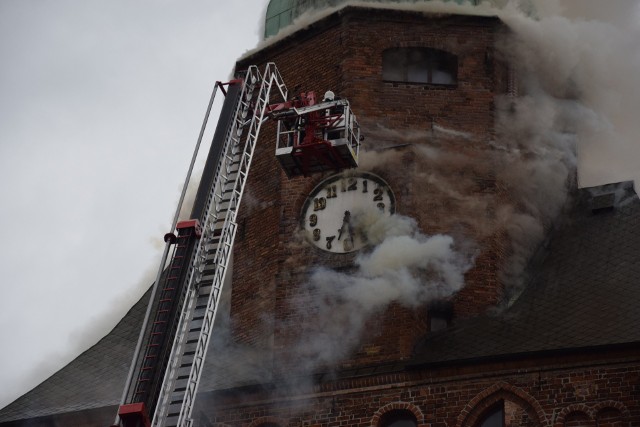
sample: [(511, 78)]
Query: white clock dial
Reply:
[(330, 214)]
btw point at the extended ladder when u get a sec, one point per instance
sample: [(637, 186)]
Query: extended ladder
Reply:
[(207, 271)]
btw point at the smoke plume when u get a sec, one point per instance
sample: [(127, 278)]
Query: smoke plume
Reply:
[(405, 266)]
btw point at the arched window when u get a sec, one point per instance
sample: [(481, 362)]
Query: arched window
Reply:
[(494, 417), (398, 418), (419, 65)]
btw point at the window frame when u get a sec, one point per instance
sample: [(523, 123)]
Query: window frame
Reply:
[(414, 62)]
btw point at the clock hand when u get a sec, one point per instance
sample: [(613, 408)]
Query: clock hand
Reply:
[(346, 221)]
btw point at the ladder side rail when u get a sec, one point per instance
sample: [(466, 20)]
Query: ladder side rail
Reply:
[(272, 72), (163, 261), (200, 256), (220, 136), (185, 317), (172, 368), (321, 106), (271, 76), (216, 198), (231, 138), (173, 292), (354, 132), (220, 266)]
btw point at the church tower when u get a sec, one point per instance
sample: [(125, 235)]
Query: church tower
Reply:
[(424, 87)]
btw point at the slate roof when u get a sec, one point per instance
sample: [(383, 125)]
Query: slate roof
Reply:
[(94, 379), (585, 293)]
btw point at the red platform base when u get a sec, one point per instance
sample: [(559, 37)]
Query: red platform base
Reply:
[(307, 159), (134, 415)]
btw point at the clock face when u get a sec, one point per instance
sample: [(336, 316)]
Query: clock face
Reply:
[(331, 213)]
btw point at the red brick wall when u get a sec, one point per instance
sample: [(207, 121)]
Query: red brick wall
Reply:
[(344, 53), (549, 393)]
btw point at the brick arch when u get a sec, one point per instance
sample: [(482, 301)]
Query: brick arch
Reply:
[(611, 404), (608, 408), (575, 408), (261, 420), (477, 407), (401, 406)]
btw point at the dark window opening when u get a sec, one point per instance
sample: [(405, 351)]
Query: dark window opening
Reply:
[(493, 418), (440, 315), (398, 418), (420, 65)]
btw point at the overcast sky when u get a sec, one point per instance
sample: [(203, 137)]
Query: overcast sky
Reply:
[(101, 103)]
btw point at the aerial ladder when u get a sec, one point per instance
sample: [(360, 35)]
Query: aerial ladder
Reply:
[(312, 136)]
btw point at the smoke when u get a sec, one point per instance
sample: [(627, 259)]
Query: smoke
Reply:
[(574, 118), (403, 266), (231, 363), (595, 63)]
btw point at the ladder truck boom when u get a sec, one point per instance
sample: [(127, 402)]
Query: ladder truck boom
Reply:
[(171, 350)]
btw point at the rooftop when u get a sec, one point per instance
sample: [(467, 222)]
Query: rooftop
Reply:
[(583, 295)]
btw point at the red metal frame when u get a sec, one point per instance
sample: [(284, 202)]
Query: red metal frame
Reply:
[(230, 82), (322, 151), (190, 223), (134, 415), (313, 146)]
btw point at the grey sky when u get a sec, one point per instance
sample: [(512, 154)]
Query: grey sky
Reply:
[(100, 105)]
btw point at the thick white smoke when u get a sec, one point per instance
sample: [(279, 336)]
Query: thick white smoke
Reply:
[(405, 266), (595, 63), (577, 80)]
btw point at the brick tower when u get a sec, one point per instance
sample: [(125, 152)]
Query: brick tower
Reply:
[(417, 83), (423, 87)]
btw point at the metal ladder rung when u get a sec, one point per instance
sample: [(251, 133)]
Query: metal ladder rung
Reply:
[(196, 321)]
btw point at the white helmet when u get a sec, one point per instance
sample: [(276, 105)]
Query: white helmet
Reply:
[(329, 96)]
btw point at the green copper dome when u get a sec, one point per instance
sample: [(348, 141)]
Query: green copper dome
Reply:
[(280, 13)]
